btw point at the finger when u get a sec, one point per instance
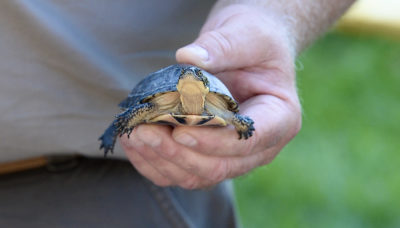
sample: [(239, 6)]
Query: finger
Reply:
[(214, 169), (222, 141), (224, 44), (274, 122), (175, 174), (169, 170), (142, 166)]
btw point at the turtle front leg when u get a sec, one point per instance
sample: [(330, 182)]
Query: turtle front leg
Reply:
[(124, 123), (244, 125), (108, 138), (134, 116)]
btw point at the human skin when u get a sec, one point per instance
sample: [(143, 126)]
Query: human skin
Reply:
[(251, 46)]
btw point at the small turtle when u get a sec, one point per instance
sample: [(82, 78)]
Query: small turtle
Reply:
[(177, 95)]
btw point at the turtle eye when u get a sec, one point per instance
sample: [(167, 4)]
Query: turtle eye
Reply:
[(198, 72)]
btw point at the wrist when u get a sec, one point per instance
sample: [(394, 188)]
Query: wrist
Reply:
[(303, 20)]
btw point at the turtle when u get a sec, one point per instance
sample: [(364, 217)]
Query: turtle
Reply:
[(179, 94)]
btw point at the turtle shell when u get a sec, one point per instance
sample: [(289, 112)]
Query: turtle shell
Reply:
[(166, 79)]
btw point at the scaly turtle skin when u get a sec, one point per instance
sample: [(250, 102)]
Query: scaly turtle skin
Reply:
[(177, 95)]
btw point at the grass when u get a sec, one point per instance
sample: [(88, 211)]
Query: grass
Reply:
[(343, 168)]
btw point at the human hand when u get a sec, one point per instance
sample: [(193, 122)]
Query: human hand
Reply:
[(250, 51)]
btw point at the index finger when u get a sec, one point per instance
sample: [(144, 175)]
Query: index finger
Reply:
[(274, 121)]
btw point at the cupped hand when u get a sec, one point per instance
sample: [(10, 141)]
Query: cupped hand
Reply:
[(250, 51)]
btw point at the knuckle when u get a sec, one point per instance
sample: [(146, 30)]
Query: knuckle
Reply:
[(221, 41), (297, 127), (137, 163), (169, 153), (219, 172), (149, 155), (191, 183), (298, 119), (192, 166)]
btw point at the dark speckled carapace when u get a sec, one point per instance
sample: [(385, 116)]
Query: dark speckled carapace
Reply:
[(177, 95)]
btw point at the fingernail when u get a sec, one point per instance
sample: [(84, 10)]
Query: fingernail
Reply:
[(186, 139), (198, 51), (149, 137)]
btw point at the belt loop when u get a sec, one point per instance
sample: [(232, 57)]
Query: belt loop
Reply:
[(59, 163)]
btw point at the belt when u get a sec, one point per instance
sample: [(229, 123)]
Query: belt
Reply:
[(52, 163)]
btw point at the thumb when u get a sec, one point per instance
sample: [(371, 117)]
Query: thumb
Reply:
[(230, 41)]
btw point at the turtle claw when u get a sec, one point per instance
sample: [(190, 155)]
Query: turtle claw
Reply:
[(129, 131), (244, 126), (108, 140), (107, 148)]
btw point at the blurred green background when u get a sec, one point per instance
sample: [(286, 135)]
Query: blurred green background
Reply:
[(343, 168)]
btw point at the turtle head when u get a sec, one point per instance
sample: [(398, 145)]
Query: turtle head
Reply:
[(195, 74), (193, 87)]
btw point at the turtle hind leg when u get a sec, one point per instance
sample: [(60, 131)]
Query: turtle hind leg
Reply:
[(124, 123), (244, 125)]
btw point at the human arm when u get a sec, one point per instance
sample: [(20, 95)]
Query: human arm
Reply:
[(251, 47), (304, 20)]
